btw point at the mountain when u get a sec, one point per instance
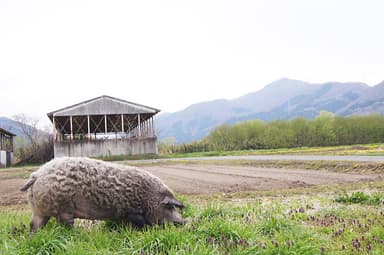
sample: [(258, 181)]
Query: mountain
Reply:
[(282, 99), (275, 93), (372, 101), (15, 128), (10, 125), (330, 97), (196, 120)]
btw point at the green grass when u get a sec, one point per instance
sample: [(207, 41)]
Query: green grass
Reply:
[(359, 197), (356, 149), (304, 224)]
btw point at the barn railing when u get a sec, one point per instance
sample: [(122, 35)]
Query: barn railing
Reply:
[(102, 127)]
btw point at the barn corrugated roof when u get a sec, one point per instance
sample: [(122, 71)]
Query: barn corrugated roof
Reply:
[(6, 132), (103, 105)]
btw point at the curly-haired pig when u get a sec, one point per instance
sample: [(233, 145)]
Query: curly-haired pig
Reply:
[(69, 188)]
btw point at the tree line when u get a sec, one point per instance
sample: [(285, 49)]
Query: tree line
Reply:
[(326, 129)]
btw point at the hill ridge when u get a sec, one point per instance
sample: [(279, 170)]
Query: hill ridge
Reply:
[(282, 99)]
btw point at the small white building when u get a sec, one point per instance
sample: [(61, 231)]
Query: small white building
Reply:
[(6, 148)]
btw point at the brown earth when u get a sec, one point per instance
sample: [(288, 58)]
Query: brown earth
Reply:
[(207, 178), (9, 192), (203, 179)]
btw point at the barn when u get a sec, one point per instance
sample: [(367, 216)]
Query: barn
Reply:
[(102, 127), (6, 148)]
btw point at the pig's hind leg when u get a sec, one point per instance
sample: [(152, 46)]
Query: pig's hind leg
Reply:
[(66, 218), (66, 215)]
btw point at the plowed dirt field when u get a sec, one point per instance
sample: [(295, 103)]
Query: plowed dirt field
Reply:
[(187, 178)]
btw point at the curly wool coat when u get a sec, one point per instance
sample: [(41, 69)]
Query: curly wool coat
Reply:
[(69, 188)]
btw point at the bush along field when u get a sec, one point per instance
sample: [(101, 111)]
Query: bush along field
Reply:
[(346, 223)]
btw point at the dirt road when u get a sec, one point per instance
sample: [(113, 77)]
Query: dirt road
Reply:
[(187, 178), (202, 178), (354, 158)]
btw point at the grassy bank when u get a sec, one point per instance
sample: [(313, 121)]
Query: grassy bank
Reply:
[(359, 149), (337, 223)]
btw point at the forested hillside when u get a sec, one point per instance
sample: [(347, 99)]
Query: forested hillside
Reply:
[(325, 130), (282, 99)]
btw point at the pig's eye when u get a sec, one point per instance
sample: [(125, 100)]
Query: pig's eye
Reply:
[(169, 206)]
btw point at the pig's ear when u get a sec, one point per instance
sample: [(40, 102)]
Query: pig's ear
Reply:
[(170, 201)]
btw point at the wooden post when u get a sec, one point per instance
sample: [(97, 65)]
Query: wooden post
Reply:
[(105, 124), (138, 125), (89, 127), (54, 128), (152, 133), (122, 123), (143, 128), (11, 143), (70, 121), (149, 128)]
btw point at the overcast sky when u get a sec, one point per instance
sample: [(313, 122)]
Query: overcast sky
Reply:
[(170, 54)]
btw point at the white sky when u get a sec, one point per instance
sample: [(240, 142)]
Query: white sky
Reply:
[(170, 54)]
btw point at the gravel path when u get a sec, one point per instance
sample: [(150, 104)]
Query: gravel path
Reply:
[(378, 159)]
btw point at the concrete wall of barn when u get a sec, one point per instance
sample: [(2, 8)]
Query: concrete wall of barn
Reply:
[(105, 148)]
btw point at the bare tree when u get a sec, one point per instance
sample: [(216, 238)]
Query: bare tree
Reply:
[(28, 127), (39, 144)]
